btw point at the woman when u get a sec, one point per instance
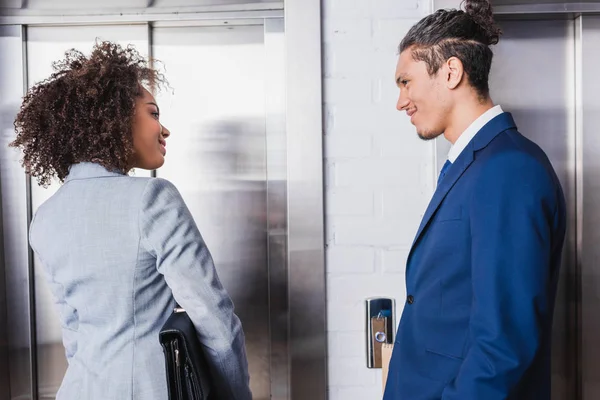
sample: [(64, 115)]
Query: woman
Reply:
[(119, 251)]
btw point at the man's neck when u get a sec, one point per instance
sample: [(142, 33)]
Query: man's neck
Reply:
[(463, 115)]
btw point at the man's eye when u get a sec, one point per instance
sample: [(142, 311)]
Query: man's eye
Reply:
[(404, 82)]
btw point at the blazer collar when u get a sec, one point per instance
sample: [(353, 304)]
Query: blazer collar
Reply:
[(87, 170), (489, 131)]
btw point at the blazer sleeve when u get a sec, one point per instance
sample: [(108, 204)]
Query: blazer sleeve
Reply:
[(513, 212), (169, 233)]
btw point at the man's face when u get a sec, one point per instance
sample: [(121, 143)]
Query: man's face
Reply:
[(422, 96)]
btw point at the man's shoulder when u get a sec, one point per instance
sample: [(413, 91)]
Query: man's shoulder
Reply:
[(515, 156)]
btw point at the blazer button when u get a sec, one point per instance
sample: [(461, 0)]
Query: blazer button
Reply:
[(410, 299)]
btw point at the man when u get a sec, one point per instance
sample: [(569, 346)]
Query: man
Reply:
[(482, 273)]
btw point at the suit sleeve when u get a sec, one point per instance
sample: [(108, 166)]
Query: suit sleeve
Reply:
[(170, 234), (512, 214)]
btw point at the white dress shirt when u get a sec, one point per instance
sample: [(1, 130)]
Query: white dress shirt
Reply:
[(469, 133)]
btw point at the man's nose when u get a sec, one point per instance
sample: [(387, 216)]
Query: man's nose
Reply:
[(402, 101)]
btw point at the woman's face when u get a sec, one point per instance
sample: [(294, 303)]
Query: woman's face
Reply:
[(149, 145)]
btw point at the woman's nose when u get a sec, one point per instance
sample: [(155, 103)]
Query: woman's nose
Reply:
[(165, 132)]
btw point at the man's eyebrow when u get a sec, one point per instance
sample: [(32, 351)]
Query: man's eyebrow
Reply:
[(154, 104), (402, 76)]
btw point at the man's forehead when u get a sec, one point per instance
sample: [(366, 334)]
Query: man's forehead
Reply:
[(406, 57), (402, 70)]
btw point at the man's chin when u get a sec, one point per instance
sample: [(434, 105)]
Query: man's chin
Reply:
[(428, 135)]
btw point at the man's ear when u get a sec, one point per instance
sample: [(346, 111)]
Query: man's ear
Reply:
[(454, 72)]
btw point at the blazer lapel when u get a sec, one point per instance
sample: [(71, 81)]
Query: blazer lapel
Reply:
[(492, 129)]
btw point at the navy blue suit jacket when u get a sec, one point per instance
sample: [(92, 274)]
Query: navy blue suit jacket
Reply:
[(481, 277)]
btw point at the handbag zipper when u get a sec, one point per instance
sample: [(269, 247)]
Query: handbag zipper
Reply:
[(177, 369)]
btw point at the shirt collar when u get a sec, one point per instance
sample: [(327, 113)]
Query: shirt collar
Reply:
[(469, 133)]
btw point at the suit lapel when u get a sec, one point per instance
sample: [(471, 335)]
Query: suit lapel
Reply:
[(492, 129), (454, 172)]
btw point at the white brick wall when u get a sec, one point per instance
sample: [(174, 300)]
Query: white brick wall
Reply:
[(379, 178)]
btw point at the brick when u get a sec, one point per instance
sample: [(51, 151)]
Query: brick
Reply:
[(347, 146), (410, 9), (374, 391), (351, 60), (350, 118), (346, 9), (394, 260), (402, 144), (374, 172), (388, 33), (384, 68), (344, 317), (346, 91), (353, 290), (329, 174), (357, 231), (329, 232), (349, 201), (347, 344), (349, 260), (329, 111), (405, 203), (347, 30), (328, 61), (350, 371)]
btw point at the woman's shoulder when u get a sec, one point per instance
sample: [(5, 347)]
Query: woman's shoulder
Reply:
[(158, 185), (160, 190)]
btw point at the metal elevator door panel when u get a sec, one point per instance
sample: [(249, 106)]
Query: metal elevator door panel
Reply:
[(216, 156), (15, 335), (533, 77), (588, 168)]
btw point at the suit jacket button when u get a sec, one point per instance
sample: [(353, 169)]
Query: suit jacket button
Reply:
[(410, 299)]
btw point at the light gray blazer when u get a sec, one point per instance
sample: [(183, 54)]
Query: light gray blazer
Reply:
[(116, 251)]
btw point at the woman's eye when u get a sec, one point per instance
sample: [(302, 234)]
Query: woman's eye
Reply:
[(156, 115), (404, 83)]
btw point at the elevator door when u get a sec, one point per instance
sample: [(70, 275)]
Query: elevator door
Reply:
[(225, 154), (542, 74), (541, 96), (216, 156)]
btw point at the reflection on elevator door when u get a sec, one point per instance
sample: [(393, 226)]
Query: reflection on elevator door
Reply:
[(216, 158)]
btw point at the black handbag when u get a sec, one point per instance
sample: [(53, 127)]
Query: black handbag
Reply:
[(187, 371)]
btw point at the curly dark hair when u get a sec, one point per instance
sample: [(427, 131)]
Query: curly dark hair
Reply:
[(83, 112)]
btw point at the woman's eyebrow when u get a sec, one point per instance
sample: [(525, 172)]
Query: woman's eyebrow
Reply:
[(154, 104)]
